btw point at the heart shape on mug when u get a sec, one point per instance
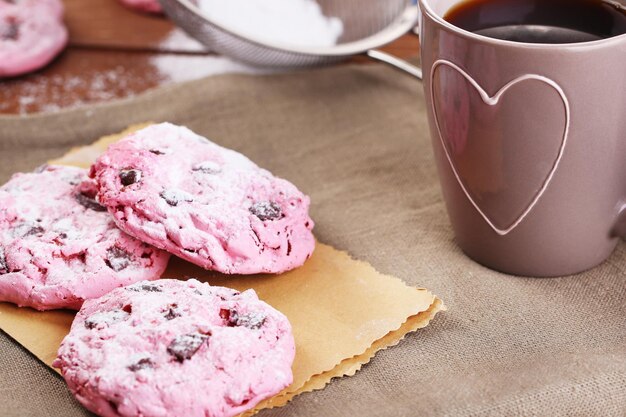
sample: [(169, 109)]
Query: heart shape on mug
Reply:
[(456, 142)]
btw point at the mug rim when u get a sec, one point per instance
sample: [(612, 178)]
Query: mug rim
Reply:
[(427, 9)]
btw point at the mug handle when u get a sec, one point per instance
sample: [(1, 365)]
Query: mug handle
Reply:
[(396, 62)]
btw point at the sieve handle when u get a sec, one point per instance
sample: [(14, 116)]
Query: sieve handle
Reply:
[(396, 62)]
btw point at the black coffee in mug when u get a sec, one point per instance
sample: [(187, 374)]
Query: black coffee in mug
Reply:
[(541, 21)]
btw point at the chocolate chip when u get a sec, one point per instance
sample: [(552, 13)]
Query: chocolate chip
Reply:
[(185, 346), (174, 197), (27, 229), (145, 288), (89, 202), (10, 31), (207, 167), (151, 288), (4, 268), (35, 231), (144, 363), (117, 259), (250, 320), (130, 176), (172, 312), (266, 210), (225, 314), (106, 318), (157, 152)]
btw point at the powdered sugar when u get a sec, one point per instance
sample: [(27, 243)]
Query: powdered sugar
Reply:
[(204, 216), (52, 92), (59, 252), (179, 41), (125, 348), (55, 92), (173, 68), (297, 22)]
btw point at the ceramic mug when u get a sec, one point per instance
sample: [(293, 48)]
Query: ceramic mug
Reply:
[(530, 144)]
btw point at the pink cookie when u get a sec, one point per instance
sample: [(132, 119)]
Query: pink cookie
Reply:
[(178, 349), (59, 247), (214, 207), (150, 6), (32, 34), (52, 7)]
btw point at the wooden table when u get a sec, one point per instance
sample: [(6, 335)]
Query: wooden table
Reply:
[(115, 53)]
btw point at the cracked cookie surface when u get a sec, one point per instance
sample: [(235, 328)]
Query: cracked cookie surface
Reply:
[(176, 348), (212, 206), (59, 246)]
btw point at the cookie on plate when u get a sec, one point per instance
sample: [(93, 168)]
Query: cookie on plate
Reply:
[(53, 7), (59, 247), (150, 6), (176, 348), (32, 34), (212, 206)]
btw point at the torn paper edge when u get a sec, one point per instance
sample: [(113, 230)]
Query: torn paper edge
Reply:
[(350, 366)]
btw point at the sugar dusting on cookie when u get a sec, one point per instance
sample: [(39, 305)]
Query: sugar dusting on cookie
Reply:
[(59, 246), (125, 355), (178, 191)]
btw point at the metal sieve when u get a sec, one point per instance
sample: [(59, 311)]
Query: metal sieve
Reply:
[(368, 24)]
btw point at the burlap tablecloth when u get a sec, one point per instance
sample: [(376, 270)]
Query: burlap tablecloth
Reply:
[(356, 140)]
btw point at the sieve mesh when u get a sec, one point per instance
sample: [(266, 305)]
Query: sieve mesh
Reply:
[(368, 24)]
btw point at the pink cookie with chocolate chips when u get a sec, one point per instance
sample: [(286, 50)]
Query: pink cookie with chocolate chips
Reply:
[(59, 247), (149, 6), (32, 34), (212, 206), (178, 349)]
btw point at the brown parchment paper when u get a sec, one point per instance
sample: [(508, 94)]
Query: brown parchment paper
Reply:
[(342, 310)]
